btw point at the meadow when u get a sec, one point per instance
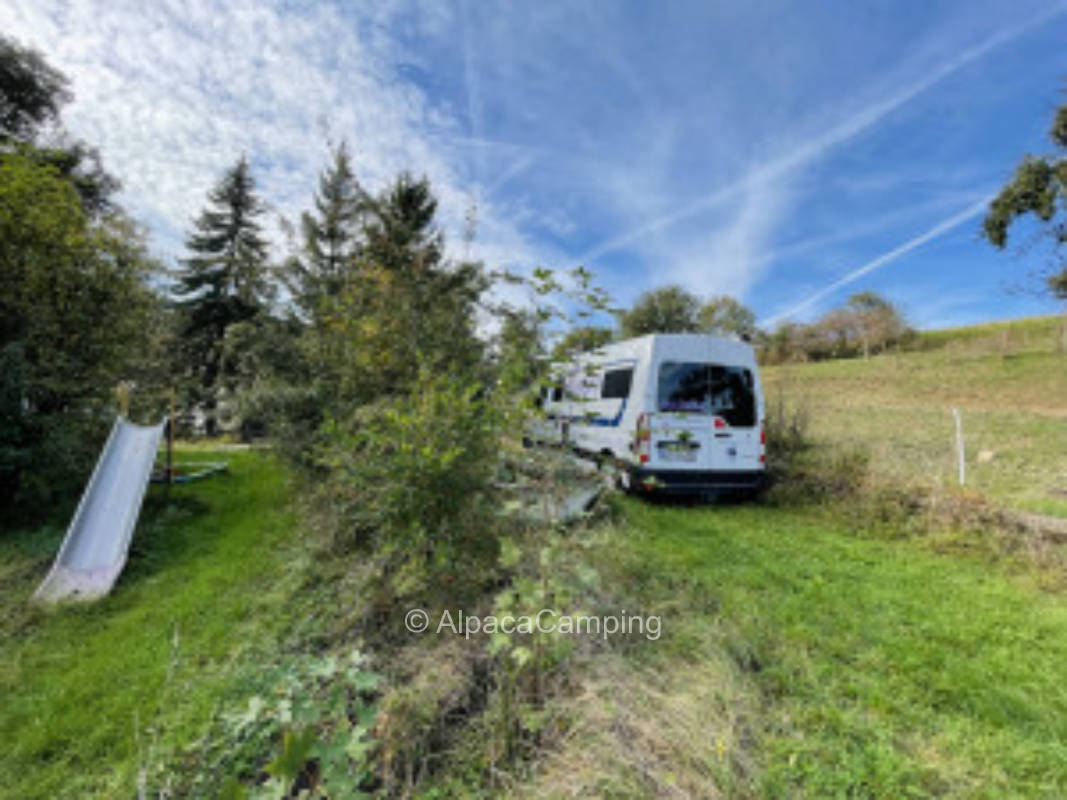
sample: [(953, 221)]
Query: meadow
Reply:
[(95, 695), (803, 657), (1008, 380)]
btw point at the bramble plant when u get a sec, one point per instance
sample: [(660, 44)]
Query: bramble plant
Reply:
[(321, 712)]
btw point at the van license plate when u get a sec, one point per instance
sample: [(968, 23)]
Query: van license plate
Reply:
[(684, 452)]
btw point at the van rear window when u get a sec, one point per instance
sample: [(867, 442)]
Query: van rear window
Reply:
[(711, 389)]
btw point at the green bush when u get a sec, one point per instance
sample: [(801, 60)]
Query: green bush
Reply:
[(410, 478)]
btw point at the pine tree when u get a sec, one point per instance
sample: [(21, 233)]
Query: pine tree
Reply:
[(400, 234), (330, 236), (223, 281)]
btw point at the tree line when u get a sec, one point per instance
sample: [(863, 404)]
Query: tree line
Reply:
[(362, 305), (865, 325)]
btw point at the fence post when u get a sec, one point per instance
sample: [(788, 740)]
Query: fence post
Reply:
[(122, 394), (959, 445), (170, 442)]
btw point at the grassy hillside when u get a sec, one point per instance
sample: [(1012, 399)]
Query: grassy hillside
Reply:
[(94, 694), (1025, 333), (1009, 381)]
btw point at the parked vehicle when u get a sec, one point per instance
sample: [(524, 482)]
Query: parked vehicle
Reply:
[(673, 413)]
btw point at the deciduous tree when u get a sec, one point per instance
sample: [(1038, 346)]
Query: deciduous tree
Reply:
[(581, 339), (726, 316), (1039, 188), (875, 322), (76, 316), (668, 309)]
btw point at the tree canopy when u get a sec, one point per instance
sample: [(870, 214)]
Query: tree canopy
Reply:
[(76, 316), (868, 323), (32, 92), (668, 309), (581, 339), (726, 316), (1038, 188)]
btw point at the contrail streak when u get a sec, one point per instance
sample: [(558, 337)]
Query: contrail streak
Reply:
[(836, 135), (882, 260)]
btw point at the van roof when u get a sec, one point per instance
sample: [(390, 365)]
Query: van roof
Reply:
[(695, 346), (682, 337)]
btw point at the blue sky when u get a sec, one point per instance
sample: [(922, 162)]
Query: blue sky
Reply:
[(786, 153)]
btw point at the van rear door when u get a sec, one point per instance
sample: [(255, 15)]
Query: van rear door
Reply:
[(707, 416), (735, 423)]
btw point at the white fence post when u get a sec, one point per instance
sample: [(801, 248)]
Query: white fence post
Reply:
[(959, 445)]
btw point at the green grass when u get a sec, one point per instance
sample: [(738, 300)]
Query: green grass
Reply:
[(1027, 332), (898, 407), (880, 669), (94, 693)]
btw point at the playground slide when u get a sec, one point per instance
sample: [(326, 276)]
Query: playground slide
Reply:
[(98, 539)]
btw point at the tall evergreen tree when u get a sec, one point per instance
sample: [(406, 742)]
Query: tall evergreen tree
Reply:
[(223, 281), (330, 236), (400, 232), (410, 307)]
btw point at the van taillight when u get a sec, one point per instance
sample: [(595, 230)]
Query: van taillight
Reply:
[(720, 422), (762, 443), (643, 437)]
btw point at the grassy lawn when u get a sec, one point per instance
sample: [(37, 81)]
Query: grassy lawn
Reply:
[(860, 667), (92, 694), (898, 408)]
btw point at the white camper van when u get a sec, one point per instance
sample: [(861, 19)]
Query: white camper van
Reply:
[(675, 413)]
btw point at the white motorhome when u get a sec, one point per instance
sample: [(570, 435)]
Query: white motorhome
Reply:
[(675, 413)]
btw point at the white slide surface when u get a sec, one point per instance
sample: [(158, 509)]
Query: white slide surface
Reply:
[(98, 539)]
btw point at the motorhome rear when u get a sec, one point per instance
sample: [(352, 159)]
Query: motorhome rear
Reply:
[(675, 412)]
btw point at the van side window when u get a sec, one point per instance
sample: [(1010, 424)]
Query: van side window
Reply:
[(617, 383)]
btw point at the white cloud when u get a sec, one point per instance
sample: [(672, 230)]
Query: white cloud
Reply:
[(172, 92)]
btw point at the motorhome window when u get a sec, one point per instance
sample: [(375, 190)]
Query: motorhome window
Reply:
[(617, 384), (711, 389)]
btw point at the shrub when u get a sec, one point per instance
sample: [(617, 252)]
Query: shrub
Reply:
[(410, 478)]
